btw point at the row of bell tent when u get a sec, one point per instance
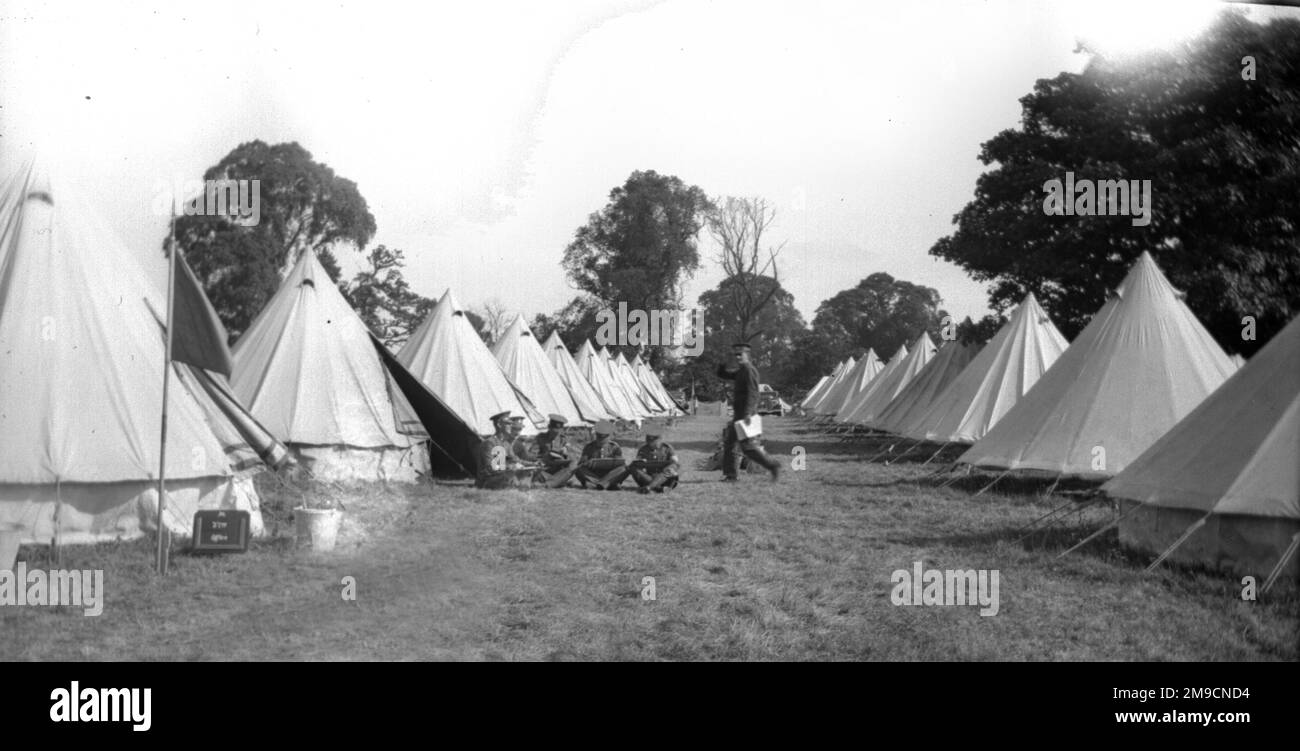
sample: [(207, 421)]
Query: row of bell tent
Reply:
[(81, 387), (83, 331), (362, 424), (1144, 398), (1200, 450)]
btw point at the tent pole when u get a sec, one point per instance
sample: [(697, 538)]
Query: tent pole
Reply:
[(161, 555), (935, 454), (1190, 531), (1030, 526), (995, 482), (905, 453), (58, 523), (1097, 534), (940, 472), (955, 475), (1281, 562), (882, 453)]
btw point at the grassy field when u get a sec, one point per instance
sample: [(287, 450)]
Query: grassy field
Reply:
[(799, 570)]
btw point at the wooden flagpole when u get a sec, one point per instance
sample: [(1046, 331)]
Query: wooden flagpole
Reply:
[(161, 561)]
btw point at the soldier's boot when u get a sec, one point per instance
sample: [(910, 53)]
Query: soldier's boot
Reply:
[(662, 482), (754, 451)]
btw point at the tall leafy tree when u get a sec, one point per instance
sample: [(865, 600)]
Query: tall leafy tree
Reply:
[(1213, 124), (642, 246), (881, 313), (698, 374), (576, 321), (303, 206), (726, 323), (813, 354), (978, 333), (381, 296)]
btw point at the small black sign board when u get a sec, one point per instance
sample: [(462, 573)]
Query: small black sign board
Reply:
[(220, 531)]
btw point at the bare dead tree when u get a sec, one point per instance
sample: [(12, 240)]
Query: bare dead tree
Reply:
[(738, 224), (496, 316)]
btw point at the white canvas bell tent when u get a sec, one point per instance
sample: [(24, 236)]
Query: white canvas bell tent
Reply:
[(882, 392), (1140, 366), (1004, 370), (633, 385), (449, 357), (635, 366), (857, 381), (951, 359), (816, 393), (528, 367), (655, 387), (307, 369), (1229, 472), (886, 369), (597, 373), (584, 396), (81, 380), (632, 396), (813, 392), (845, 368)]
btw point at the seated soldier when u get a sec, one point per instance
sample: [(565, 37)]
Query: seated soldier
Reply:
[(554, 453), (601, 463), (498, 467), (655, 466), (520, 447)]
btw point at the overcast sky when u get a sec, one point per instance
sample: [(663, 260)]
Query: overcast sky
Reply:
[(482, 134)]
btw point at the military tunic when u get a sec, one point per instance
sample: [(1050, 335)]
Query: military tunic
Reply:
[(554, 452), (664, 478), (744, 405), (497, 463), (606, 449)]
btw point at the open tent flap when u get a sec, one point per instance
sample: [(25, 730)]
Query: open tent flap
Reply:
[(404, 415), (448, 357), (452, 442)]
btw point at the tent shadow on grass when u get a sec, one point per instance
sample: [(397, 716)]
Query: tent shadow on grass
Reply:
[(885, 484), (1012, 485), (1048, 538), (832, 447)]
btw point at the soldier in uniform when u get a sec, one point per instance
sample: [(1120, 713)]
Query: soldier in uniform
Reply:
[(520, 447), (603, 447), (744, 404), (498, 467), (655, 450), (554, 453)]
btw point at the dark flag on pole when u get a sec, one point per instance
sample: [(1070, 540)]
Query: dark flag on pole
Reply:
[(194, 336), (198, 337)]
